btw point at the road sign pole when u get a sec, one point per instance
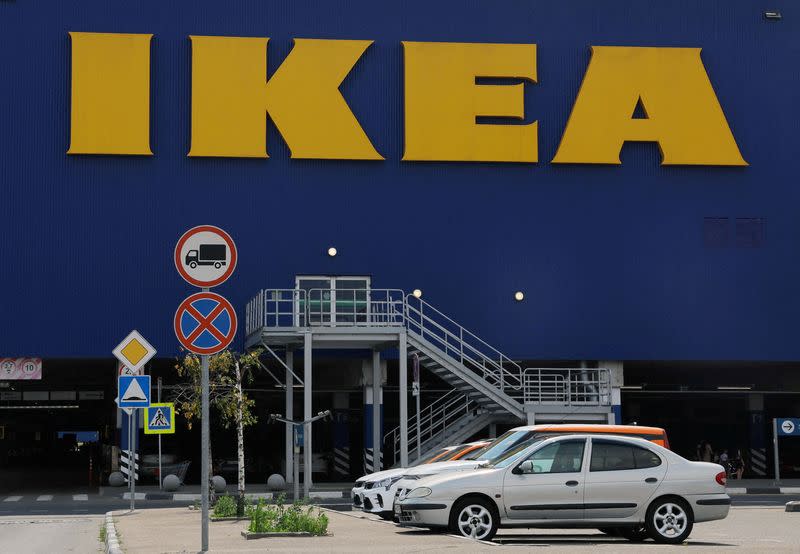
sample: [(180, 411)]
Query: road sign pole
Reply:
[(160, 477), (205, 439), (775, 448), (132, 458)]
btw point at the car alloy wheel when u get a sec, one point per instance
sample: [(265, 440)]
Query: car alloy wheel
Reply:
[(475, 521), (669, 521)]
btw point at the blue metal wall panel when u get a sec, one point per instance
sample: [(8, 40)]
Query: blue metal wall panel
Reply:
[(612, 259)]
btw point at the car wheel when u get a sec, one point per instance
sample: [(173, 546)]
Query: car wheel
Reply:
[(633, 534), (388, 516), (669, 521), (475, 518)]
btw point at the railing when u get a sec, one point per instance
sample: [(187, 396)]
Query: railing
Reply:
[(355, 307), (571, 387), (276, 308), (434, 420), (463, 346)]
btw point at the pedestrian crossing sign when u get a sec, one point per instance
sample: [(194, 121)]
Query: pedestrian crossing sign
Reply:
[(159, 419)]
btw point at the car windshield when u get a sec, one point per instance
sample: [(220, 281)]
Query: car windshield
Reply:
[(513, 453), (433, 455), (475, 454), (454, 453), (505, 442)]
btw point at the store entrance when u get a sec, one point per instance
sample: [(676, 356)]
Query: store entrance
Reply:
[(45, 449)]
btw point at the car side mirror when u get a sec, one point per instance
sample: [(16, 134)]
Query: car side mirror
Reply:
[(524, 467)]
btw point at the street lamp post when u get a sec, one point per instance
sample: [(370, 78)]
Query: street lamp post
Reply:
[(297, 424)]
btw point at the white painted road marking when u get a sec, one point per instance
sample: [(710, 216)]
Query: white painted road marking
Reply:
[(81, 497), (13, 499), (137, 496), (44, 498)]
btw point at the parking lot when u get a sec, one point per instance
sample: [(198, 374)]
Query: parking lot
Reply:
[(747, 529)]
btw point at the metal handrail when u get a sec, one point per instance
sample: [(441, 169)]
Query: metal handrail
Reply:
[(355, 307), (463, 345), (434, 420), (568, 386)]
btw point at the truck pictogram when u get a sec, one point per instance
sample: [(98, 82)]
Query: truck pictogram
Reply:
[(207, 254)]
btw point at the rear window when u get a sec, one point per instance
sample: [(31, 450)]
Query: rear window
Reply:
[(615, 456)]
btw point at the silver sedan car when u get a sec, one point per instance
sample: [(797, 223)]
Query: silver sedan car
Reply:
[(621, 485)]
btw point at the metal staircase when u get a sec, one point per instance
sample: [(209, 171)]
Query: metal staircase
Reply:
[(487, 385)]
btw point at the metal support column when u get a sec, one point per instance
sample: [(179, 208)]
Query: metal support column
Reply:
[(403, 400), (377, 446), (289, 414), (307, 469)]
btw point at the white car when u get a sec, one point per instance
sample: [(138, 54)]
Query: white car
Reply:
[(375, 493), (518, 439), (610, 482)]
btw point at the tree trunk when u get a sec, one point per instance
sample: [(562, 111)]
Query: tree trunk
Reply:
[(240, 440)]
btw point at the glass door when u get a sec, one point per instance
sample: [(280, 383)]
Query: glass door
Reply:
[(335, 300)]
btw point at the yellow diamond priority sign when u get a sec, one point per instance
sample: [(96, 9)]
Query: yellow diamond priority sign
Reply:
[(134, 351)]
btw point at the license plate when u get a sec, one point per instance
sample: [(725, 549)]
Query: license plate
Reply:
[(397, 509)]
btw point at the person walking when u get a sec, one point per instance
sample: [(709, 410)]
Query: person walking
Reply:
[(706, 452), (737, 464)]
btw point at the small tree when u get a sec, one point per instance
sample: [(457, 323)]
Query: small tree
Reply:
[(227, 372)]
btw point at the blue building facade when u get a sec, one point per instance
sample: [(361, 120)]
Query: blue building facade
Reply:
[(637, 261)]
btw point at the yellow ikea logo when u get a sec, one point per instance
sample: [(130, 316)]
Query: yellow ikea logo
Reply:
[(232, 95)]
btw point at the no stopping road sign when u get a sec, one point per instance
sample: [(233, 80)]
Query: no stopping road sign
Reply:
[(205, 323)]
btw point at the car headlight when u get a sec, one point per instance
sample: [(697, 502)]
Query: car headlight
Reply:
[(419, 492)]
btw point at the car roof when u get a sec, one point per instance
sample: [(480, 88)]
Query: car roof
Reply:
[(590, 428)]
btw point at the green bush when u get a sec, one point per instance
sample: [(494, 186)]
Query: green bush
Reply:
[(225, 507), (277, 518)]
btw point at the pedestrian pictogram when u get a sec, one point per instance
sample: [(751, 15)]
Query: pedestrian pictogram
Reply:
[(134, 351), (159, 419), (205, 256), (205, 323), (134, 391)]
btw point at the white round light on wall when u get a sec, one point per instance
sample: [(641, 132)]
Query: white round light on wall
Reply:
[(332, 252), (417, 293), (519, 296)]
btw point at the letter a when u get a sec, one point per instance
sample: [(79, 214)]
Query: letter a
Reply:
[(682, 112)]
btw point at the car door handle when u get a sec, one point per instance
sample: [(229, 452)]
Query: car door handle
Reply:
[(571, 483), (650, 480)]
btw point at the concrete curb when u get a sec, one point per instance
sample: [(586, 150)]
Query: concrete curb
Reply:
[(112, 542)]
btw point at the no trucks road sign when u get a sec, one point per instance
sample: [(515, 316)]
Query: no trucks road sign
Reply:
[(205, 256), (205, 323)]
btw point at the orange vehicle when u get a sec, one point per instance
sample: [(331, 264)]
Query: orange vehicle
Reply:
[(656, 435), (519, 437), (456, 452)]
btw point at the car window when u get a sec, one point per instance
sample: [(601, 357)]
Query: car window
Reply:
[(645, 458), (559, 457), (615, 456), (611, 456)]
